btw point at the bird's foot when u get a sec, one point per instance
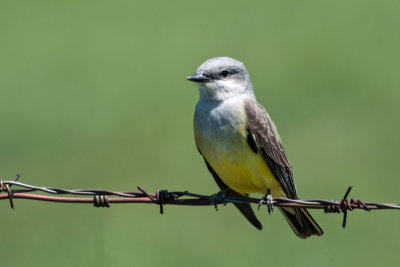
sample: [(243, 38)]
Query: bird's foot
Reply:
[(268, 200), (218, 197)]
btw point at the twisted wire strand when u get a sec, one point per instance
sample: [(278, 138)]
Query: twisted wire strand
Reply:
[(102, 198)]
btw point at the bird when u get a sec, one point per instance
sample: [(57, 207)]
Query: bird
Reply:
[(240, 144)]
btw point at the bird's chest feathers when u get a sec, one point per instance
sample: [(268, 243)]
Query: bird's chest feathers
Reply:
[(221, 136), (219, 126)]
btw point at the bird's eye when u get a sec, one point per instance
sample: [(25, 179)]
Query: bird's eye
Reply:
[(224, 73)]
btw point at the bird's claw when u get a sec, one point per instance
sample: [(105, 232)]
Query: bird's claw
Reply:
[(215, 198), (267, 200)]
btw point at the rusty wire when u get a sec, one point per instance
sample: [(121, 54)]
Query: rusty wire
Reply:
[(103, 198)]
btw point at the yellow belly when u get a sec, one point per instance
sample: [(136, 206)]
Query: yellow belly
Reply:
[(238, 166)]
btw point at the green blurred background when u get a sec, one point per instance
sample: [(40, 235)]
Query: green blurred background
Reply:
[(93, 95)]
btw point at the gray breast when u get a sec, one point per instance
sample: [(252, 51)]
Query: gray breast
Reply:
[(218, 118)]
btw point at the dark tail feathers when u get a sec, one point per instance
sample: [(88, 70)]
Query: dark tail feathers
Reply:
[(301, 222), (248, 212)]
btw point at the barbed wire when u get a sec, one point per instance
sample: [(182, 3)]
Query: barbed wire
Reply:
[(103, 198)]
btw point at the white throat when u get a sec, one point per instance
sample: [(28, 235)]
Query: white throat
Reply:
[(223, 90)]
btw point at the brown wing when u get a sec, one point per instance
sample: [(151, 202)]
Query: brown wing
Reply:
[(263, 133), (245, 209)]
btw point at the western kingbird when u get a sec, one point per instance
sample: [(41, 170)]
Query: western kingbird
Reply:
[(240, 144)]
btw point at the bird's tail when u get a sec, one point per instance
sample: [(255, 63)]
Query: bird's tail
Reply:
[(301, 222)]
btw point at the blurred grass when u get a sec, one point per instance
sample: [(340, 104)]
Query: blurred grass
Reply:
[(93, 94)]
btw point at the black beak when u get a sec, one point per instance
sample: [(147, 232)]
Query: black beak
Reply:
[(198, 78)]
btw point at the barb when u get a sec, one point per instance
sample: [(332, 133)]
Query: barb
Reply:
[(7, 187), (103, 198)]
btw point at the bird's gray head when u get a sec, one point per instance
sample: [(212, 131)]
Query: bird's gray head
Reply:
[(221, 78)]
